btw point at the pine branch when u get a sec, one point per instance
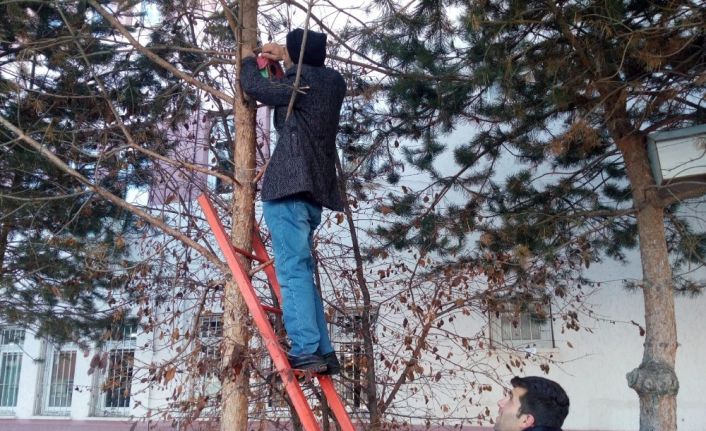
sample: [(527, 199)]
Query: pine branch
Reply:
[(154, 57), (154, 221)]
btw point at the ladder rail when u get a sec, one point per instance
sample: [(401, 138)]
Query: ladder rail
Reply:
[(261, 252), (335, 403)]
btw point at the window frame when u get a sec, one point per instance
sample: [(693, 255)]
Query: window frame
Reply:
[(124, 344), (209, 343), (546, 340), (348, 345)]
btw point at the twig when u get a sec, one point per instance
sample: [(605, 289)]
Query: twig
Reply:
[(301, 60)]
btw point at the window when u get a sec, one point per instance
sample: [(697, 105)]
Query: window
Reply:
[(60, 369), (348, 341), (527, 330), (118, 380), (11, 340), (114, 384), (210, 337), (209, 359), (353, 369), (274, 393)]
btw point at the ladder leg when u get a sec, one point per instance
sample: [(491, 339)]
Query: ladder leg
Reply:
[(335, 403), (261, 253)]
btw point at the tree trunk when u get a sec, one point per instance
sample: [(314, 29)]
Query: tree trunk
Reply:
[(367, 327), (6, 228), (4, 236), (236, 331), (654, 380)]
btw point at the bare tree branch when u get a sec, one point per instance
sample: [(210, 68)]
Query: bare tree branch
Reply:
[(154, 221)]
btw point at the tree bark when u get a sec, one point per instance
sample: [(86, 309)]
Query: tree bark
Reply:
[(236, 333), (367, 327), (4, 235), (654, 380)]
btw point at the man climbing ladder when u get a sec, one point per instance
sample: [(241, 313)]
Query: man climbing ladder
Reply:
[(300, 179), (269, 338)]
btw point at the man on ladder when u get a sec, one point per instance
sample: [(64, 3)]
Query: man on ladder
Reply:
[(299, 181)]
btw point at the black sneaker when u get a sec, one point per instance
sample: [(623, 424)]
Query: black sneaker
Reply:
[(311, 363), (332, 365)]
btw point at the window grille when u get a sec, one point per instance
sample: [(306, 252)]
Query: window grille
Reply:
[(118, 380), (12, 336), (208, 383), (59, 374), (114, 386), (524, 327), (210, 337), (524, 330), (347, 339), (275, 392), (353, 370), (11, 340)]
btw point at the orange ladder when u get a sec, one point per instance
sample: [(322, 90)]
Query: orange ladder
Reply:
[(258, 310)]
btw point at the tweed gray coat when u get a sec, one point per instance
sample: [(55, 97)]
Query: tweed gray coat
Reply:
[(304, 160)]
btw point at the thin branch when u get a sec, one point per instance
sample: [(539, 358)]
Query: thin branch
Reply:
[(301, 61)]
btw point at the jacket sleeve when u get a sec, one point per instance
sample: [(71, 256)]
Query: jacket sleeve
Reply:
[(275, 92)]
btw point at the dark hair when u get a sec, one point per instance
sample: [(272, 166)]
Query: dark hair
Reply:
[(545, 400)]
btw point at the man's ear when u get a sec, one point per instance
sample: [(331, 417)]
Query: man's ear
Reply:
[(527, 420)]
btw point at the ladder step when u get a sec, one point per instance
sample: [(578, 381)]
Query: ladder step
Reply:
[(260, 267), (300, 375), (270, 309), (248, 254)]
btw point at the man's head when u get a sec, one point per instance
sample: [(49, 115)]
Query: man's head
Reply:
[(533, 401), (315, 50)]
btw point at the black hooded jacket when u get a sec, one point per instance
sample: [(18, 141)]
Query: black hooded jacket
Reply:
[(304, 160)]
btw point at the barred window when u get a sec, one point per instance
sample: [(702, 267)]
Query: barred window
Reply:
[(208, 383), (118, 381), (523, 330), (348, 342), (114, 384), (59, 373), (210, 337), (11, 341)]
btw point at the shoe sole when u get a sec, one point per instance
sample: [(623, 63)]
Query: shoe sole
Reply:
[(316, 369)]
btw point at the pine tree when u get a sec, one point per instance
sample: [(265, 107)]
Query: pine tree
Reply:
[(64, 255), (569, 92)]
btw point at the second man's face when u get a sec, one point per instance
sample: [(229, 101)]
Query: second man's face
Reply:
[(509, 418)]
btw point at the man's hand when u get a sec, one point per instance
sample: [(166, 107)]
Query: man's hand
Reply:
[(273, 51)]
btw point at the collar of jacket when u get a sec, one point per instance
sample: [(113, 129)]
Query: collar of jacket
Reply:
[(542, 428)]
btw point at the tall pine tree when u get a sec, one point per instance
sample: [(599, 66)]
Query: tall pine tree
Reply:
[(64, 260), (569, 91)]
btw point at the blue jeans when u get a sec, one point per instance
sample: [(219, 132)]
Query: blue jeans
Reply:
[(291, 222)]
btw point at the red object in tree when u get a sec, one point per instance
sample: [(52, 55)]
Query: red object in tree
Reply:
[(269, 68)]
